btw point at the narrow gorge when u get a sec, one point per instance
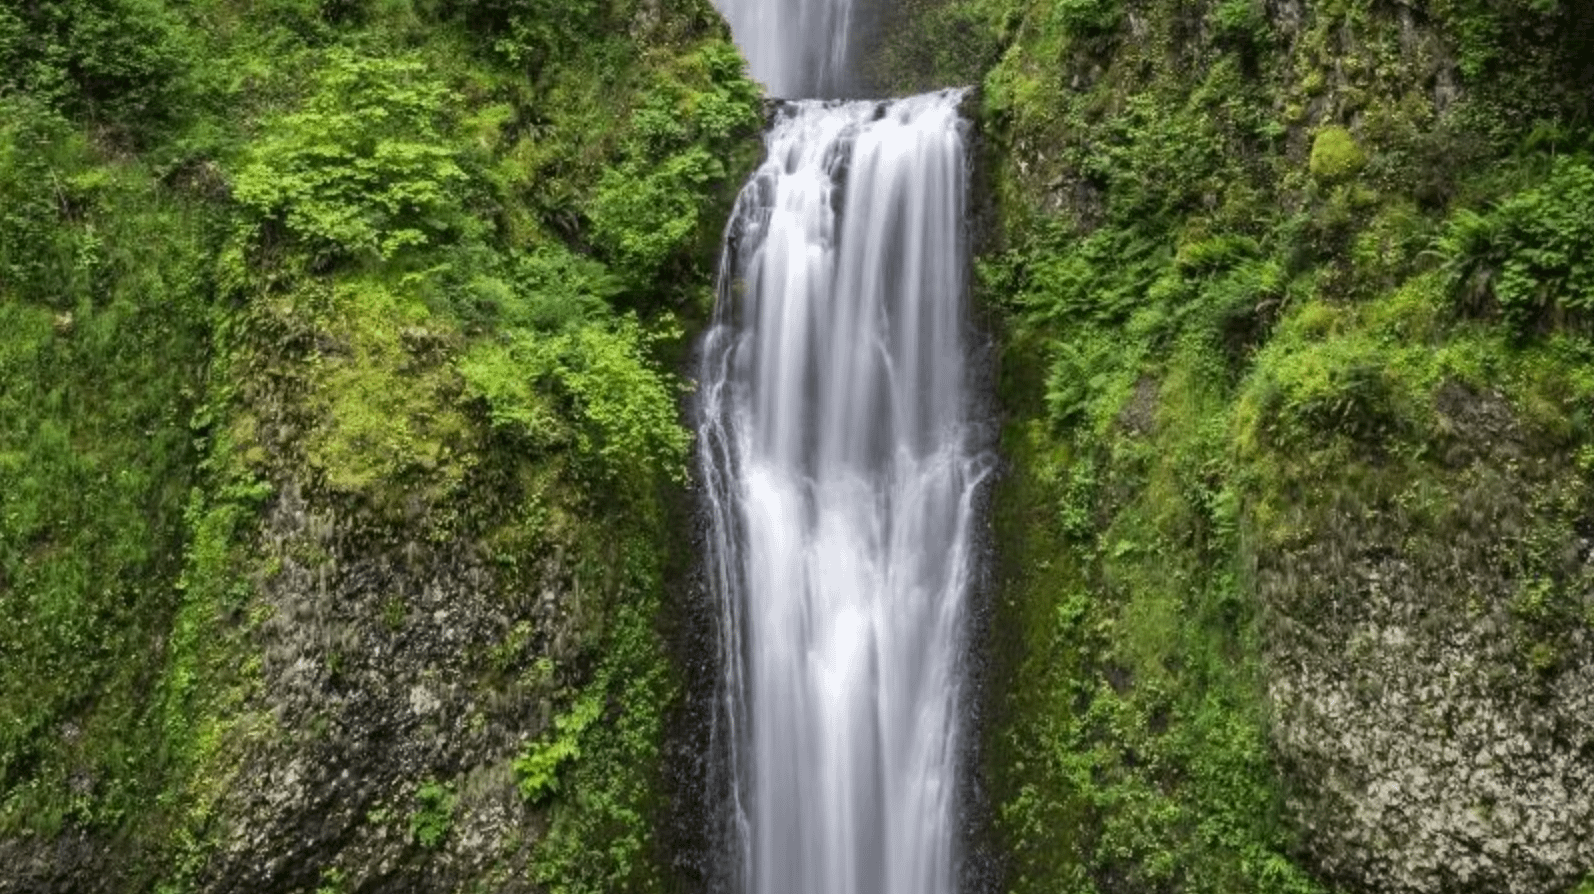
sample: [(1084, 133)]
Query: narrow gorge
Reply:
[(797, 447)]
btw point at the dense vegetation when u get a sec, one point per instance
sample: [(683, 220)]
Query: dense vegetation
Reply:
[(1279, 287), (420, 267), (318, 316)]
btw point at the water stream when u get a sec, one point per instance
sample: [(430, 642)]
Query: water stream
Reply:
[(796, 48), (840, 466)]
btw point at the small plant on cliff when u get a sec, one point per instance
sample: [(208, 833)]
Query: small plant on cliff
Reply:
[(1531, 259), (1089, 18), (537, 768), (365, 167), (434, 813)]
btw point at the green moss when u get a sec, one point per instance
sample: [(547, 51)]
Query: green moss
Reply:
[(1336, 156)]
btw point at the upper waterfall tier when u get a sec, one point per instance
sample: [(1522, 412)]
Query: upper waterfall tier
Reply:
[(796, 48)]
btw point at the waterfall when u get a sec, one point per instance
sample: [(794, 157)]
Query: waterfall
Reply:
[(840, 468), (795, 47)]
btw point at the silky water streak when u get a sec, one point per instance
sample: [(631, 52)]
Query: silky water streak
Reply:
[(797, 48), (840, 463)]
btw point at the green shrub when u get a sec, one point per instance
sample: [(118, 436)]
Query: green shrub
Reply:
[(1100, 277), (366, 167), (1088, 18), (648, 211), (1240, 23), (433, 817), (123, 61), (1531, 258), (104, 327), (1311, 393), (598, 374), (46, 179), (537, 769), (535, 33)]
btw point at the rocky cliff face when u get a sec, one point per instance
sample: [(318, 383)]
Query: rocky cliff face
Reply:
[(1296, 533), (337, 455), (341, 482), (1431, 671)]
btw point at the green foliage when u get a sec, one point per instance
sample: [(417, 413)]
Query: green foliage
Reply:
[(381, 392), (1342, 386), (118, 60), (46, 177), (648, 211), (331, 882), (601, 829), (644, 213), (1089, 379), (366, 167), (1088, 18), (554, 290), (1219, 330), (1335, 155), (433, 817), (1135, 750), (1076, 279), (1240, 23), (533, 33), (598, 374), (369, 252), (1530, 258), (537, 769), (103, 321)]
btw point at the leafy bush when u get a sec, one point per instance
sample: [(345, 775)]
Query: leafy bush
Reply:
[(46, 179), (1339, 387), (1091, 375), (600, 375), (1101, 277), (1089, 18), (119, 60), (1239, 23), (648, 210), (1531, 258), (366, 167), (434, 814), (556, 289), (533, 33), (538, 767), (103, 330)]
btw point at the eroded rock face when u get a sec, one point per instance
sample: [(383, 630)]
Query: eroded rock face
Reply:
[(1431, 666), (380, 674)]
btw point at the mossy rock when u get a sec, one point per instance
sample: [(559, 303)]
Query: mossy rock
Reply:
[(1336, 156)]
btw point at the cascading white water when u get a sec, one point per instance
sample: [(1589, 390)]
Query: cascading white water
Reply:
[(796, 48), (840, 465)]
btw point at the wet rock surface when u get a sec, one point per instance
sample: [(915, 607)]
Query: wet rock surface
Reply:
[(386, 665), (1433, 692)]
